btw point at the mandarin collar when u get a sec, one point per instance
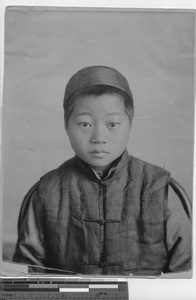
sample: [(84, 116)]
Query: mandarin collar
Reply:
[(114, 171)]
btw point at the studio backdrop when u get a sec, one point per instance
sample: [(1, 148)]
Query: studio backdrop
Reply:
[(44, 47)]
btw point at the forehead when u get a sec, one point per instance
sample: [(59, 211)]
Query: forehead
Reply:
[(102, 103)]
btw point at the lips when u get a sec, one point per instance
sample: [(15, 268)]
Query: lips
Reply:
[(98, 151), (99, 154)]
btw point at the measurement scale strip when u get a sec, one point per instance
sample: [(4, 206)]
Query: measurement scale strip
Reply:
[(63, 289)]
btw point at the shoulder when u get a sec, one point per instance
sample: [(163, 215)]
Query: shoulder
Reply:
[(147, 175), (55, 175), (146, 168), (157, 177), (52, 179), (48, 188)]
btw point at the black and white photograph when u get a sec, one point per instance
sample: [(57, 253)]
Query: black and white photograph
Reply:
[(97, 141)]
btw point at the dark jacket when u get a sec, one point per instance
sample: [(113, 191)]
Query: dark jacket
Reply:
[(75, 221)]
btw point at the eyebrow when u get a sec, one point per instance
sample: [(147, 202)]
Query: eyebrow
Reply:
[(83, 113), (115, 113), (86, 113)]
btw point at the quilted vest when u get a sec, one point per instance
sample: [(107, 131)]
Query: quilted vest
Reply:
[(111, 226), (115, 225)]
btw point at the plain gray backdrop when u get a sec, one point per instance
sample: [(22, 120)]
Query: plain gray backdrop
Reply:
[(45, 47)]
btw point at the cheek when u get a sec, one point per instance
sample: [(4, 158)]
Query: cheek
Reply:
[(123, 134), (78, 138), (122, 141)]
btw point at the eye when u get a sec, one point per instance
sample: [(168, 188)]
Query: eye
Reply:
[(85, 124), (113, 124)]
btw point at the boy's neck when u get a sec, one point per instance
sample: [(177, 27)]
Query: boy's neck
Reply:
[(101, 169)]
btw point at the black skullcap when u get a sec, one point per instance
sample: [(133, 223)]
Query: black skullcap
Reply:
[(96, 75)]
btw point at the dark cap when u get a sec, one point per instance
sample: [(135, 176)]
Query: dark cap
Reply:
[(96, 75)]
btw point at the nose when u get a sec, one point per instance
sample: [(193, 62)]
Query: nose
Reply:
[(98, 136)]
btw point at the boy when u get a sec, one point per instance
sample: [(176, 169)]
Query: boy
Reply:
[(103, 211)]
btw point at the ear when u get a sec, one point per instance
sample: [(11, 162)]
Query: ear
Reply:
[(66, 126), (67, 130)]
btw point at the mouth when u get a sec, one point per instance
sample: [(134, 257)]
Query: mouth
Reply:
[(99, 153)]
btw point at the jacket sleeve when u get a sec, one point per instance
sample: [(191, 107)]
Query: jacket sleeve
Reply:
[(178, 234), (30, 245)]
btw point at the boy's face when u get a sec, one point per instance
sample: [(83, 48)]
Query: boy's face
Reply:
[(98, 129)]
